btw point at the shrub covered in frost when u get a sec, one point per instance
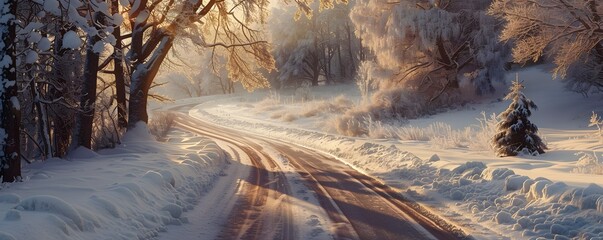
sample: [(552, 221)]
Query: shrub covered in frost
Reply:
[(161, 123), (386, 105), (595, 121)]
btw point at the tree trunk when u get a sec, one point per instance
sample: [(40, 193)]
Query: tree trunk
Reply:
[(350, 49), (315, 63), (60, 114), (231, 89), (327, 60), (85, 118), (120, 83), (142, 78), (43, 130), (155, 48), (315, 73), (342, 72), (10, 114)]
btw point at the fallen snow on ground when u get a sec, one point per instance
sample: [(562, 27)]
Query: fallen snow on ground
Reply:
[(547, 196), (134, 191)]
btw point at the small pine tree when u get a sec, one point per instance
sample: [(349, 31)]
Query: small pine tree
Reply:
[(514, 131)]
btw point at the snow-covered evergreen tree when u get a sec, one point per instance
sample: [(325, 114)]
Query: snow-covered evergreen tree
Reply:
[(515, 133)]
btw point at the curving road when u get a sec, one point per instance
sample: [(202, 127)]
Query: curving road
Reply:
[(359, 206)]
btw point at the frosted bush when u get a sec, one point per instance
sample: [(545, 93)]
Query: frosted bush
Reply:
[(442, 135), (595, 121), (276, 115), (588, 163), (483, 133), (352, 123), (161, 123), (386, 129), (303, 92), (439, 134), (390, 105), (380, 130), (365, 79), (338, 105), (412, 133), (289, 117), (270, 102)]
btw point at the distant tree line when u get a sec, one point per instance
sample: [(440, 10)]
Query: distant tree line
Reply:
[(80, 72)]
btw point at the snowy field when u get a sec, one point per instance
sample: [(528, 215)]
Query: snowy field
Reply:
[(448, 165), (135, 191)]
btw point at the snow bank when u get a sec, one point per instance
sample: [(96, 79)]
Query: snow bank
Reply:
[(534, 207), (133, 191)]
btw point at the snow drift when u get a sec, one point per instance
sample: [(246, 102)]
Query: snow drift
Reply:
[(133, 191)]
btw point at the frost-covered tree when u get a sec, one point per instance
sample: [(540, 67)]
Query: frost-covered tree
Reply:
[(428, 54), (568, 31), (321, 45), (204, 79), (434, 47), (295, 47), (64, 53), (365, 79), (515, 133), (157, 24), (10, 110)]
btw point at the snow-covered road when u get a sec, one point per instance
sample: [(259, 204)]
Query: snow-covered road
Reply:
[(292, 192), (261, 209)]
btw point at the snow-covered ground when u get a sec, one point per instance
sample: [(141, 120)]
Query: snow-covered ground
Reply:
[(145, 189), (550, 196), (134, 191)]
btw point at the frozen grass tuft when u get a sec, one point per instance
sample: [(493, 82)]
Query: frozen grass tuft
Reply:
[(588, 163), (270, 103), (380, 130), (441, 135), (303, 92), (337, 105), (161, 123), (289, 117), (385, 106), (595, 121), (483, 133), (352, 123), (276, 115)]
